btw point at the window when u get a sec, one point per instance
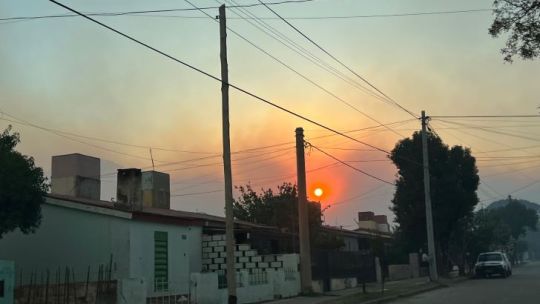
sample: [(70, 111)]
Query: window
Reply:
[(490, 257), (161, 261), (1, 289)]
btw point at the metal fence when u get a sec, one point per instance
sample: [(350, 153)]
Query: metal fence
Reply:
[(342, 264), (290, 274), (222, 279), (65, 286), (258, 278)]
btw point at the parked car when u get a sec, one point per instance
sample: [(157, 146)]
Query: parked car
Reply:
[(492, 263)]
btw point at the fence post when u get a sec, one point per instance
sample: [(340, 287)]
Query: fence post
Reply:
[(47, 287), (87, 281)]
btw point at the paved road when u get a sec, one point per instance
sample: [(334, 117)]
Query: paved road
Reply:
[(522, 287)]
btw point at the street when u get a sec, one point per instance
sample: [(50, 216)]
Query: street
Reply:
[(522, 287)]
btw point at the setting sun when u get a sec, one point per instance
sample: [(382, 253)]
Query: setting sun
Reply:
[(318, 192)]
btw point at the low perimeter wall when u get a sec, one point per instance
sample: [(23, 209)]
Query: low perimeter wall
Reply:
[(274, 284), (399, 272)]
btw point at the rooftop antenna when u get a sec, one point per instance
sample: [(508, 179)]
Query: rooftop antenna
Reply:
[(152, 158)]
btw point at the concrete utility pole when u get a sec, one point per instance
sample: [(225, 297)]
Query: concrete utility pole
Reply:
[(229, 218), (427, 198), (303, 223)]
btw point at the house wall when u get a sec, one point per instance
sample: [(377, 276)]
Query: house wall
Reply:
[(184, 253), (7, 279), (70, 238), (77, 239), (205, 289)]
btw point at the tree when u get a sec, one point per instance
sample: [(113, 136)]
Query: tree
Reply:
[(518, 218), (454, 180), (521, 19), (22, 187), (487, 232), (280, 209)]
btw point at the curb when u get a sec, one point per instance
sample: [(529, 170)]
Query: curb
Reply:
[(403, 295), (406, 294), (415, 292)]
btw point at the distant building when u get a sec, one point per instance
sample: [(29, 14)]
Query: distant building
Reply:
[(369, 221)]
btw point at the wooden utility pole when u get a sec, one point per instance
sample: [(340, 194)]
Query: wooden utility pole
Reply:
[(427, 198), (303, 222), (229, 218)]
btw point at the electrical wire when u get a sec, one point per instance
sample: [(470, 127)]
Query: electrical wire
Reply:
[(110, 14), (150, 14), (196, 193), (101, 139), (349, 165), (339, 61), (476, 127), (192, 67), (298, 73), (297, 48), (485, 116)]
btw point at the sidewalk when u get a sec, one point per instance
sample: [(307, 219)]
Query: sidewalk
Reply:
[(392, 290)]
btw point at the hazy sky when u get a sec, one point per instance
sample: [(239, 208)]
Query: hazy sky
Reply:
[(71, 75)]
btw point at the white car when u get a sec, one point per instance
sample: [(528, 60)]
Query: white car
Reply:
[(492, 263)]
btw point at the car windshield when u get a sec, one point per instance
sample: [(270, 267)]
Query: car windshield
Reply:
[(489, 257)]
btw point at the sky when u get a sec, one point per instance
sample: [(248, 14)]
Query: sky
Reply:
[(72, 86)]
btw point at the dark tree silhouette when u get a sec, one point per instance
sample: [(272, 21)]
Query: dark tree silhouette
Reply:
[(280, 209), (454, 180), (22, 187), (518, 218), (521, 20)]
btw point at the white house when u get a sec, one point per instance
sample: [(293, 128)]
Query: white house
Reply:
[(138, 236)]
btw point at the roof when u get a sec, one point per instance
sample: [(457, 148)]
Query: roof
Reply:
[(165, 216), (178, 217), (358, 232)]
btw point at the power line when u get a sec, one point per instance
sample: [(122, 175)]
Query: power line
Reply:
[(361, 195), (148, 13), (297, 48), (111, 14), (297, 72), (492, 131), (338, 61), (196, 193), (101, 139), (485, 116), (79, 141), (218, 79), (349, 165)]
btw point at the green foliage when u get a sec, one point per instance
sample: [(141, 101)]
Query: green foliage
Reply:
[(22, 187), (488, 232), (454, 180), (517, 217), (521, 19), (280, 209), (500, 229)]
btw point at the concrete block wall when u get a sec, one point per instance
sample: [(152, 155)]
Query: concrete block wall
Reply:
[(214, 257), (204, 288)]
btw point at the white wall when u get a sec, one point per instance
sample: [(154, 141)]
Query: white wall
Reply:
[(184, 254), (75, 238), (7, 274), (69, 238), (205, 290)]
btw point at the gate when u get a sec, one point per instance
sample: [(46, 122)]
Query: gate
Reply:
[(327, 265)]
